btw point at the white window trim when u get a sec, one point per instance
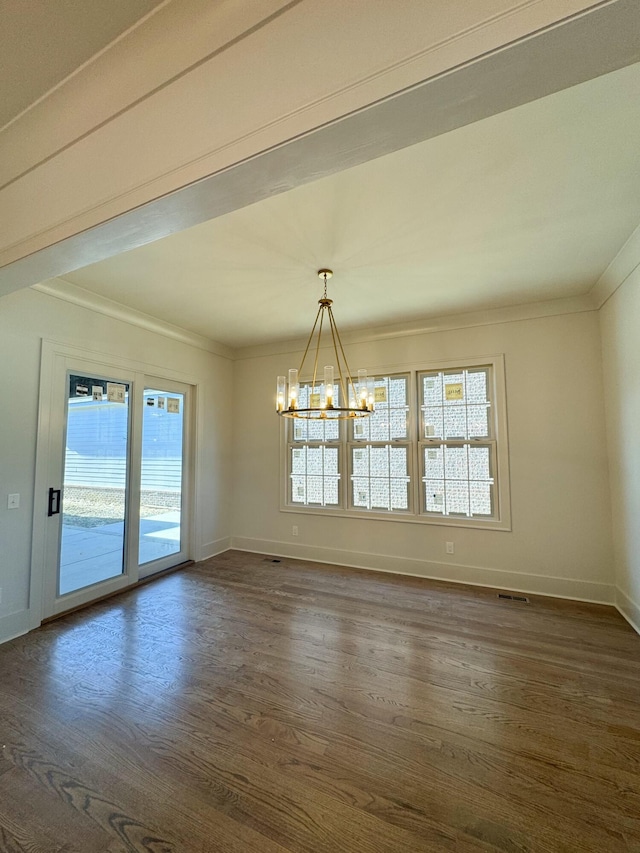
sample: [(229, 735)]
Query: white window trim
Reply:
[(415, 515)]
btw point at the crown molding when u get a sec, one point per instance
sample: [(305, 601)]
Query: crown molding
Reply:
[(620, 268), (68, 292), (60, 288), (425, 326)]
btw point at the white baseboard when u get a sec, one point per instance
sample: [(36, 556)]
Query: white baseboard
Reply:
[(577, 590), (629, 609), (14, 625), (212, 549)]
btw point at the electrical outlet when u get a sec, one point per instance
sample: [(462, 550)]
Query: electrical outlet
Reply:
[(13, 501), (294, 529), (449, 547)]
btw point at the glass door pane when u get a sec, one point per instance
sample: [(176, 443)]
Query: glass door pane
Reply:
[(94, 483), (161, 475)]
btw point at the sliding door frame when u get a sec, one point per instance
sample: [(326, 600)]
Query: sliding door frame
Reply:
[(57, 360)]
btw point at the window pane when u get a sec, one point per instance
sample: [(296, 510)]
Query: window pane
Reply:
[(92, 544), (477, 421), (379, 494), (380, 477), (480, 496), (389, 421), (479, 463), (314, 490), (433, 422), (476, 386), (360, 462), (398, 423), (298, 461), (434, 495), (432, 389), (315, 475), (298, 489), (360, 492), (455, 404), (458, 479), (455, 463), (161, 475), (314, 460), (457, 498), (455, 422), (434, 463), (378, 425)]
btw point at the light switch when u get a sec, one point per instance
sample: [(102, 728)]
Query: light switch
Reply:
[(13, 501)]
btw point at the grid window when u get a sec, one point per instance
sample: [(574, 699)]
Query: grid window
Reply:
[(438, 456), (389, 421), (314, 457), (380, 478), (458, 479), (457, 445), (455, 404), (315, 475)]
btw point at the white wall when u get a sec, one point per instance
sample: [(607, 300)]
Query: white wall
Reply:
[(26, 317), (560, 542), (620, 325), (561, 537)]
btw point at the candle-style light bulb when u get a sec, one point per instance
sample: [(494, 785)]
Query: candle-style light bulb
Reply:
[(328, 386), (281, 393), (363, 390), (371, 394), (294, 389)]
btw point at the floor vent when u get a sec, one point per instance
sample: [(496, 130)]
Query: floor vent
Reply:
[(508, 597)]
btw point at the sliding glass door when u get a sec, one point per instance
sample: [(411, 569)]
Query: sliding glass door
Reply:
[(113, 481), (161, 540), (94, 483)]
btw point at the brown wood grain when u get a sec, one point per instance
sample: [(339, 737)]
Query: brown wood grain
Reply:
[(246, 705)]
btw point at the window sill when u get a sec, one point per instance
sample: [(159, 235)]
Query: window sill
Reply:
[(403, 517)]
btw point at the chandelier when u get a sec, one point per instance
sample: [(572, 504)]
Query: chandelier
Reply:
[(337, 396)]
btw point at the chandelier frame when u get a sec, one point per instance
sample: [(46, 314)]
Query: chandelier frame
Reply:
[(359, 399)]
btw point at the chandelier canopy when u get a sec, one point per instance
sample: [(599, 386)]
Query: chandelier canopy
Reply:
[(335, 395)]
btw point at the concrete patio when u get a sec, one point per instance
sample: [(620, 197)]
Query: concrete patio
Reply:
[(93, 554)]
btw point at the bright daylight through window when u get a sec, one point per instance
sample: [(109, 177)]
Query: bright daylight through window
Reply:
[(434, 450)]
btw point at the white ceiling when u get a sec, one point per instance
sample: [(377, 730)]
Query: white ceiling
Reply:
[(522, 207), (42, 42)]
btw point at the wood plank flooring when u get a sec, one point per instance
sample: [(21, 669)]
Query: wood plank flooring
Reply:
[(251, 706)]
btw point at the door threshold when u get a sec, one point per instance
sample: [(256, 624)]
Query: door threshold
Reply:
[(109, 595)]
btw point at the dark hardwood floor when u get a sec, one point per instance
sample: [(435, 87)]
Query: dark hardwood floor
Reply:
[(247, 705)]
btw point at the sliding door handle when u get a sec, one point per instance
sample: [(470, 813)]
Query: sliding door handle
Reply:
[(54, 502)]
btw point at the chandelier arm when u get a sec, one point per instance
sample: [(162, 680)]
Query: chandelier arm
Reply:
[(341, 372), (315, 362), (346, 363), (309, 341)]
